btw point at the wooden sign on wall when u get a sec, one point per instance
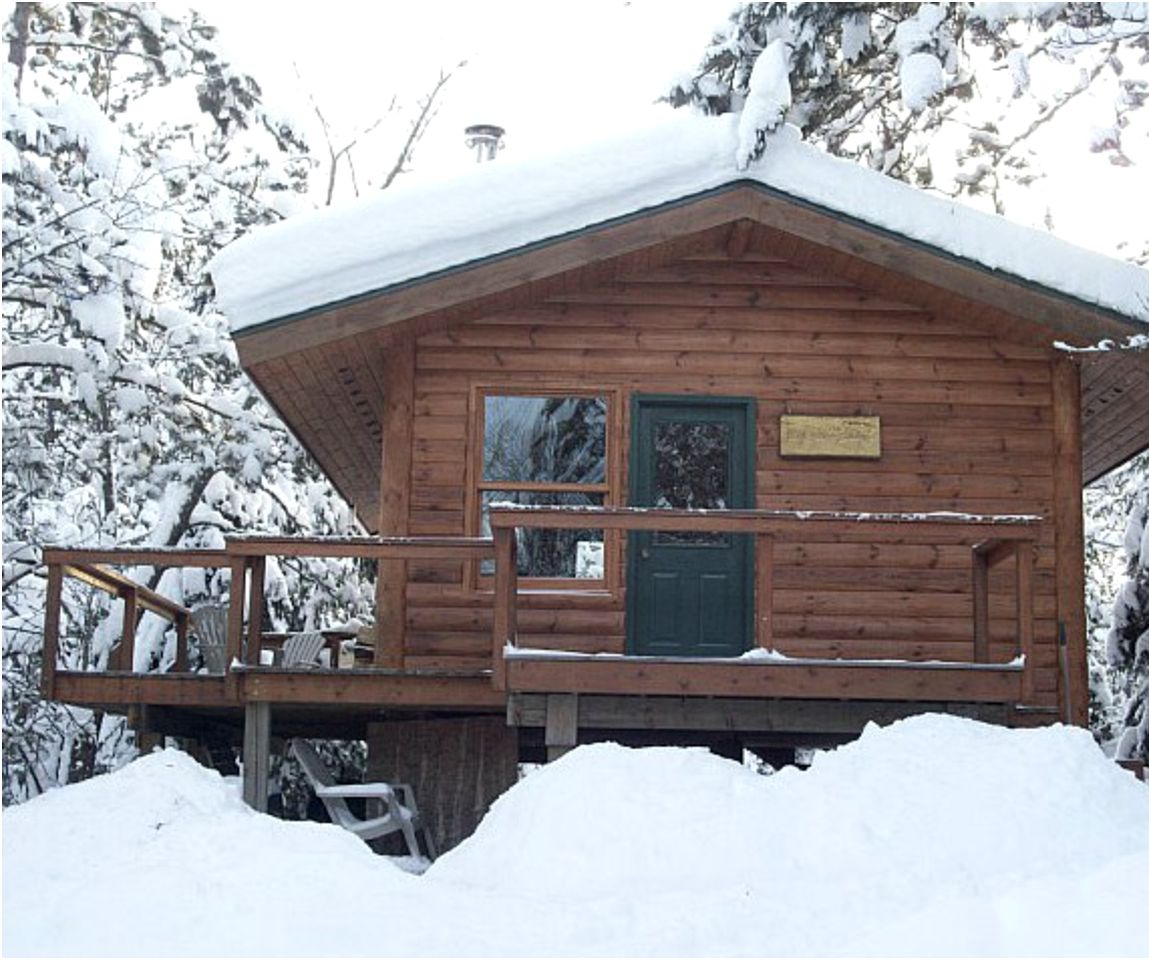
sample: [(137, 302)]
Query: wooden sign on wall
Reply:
[(855, 437)]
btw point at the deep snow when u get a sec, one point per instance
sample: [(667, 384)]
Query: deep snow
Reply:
[(934, 836)]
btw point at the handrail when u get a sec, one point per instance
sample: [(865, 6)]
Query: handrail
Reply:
[(88, 566), (248, 557), (783, 524), (245, 556), (364, 548), (995, 539), (988, 554), (1006, 536), (136, 556), (118, 585)]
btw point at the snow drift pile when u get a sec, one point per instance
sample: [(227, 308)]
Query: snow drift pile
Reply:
[(932, 836)]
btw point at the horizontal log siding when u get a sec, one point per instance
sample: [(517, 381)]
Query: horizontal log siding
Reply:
[(966, 426)]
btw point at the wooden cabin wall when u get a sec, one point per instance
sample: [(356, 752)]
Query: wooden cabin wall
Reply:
[(966, 418)]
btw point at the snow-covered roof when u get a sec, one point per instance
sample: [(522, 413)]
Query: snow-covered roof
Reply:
[(421, 229)]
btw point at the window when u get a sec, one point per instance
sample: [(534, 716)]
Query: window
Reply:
[(547, 450)]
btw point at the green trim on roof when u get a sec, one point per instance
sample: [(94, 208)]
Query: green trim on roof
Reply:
[(728, 187)]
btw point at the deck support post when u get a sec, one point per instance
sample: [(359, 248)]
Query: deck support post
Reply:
[(139, 722), (562, 724), (256, 754)]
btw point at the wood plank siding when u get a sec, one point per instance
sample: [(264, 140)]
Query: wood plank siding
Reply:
[(967, 425)]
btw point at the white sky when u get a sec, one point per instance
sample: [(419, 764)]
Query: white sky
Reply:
[(546, 72)]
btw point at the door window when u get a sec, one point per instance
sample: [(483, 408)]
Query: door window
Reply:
[(691, 472)]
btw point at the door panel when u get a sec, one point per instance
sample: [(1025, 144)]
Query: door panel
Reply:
[(690, 593)]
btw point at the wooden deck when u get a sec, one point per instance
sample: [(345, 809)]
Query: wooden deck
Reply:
[(349, 698), (543, 672)]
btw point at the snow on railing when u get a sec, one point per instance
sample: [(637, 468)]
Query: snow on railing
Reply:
[(995, 539)]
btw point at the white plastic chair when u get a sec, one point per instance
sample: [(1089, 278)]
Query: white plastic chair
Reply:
[(400, 816)]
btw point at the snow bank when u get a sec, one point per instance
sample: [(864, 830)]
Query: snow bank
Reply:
[(871, 846), (417, 229), (163, 859), (934, 836)]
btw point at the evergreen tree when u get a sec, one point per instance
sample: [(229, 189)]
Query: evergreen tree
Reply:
[(954, 97), (1109, 505), (1127, 646)]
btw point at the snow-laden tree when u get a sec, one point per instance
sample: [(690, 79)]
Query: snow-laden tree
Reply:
[(133, 150), (1015, 107), (1109, 504), (1127, 643), (962, 98)]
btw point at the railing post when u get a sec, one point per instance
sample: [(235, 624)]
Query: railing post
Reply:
[(980, 606), (1024, 579), (237, 596), (258, 567), (126, 655), (506, 596), (52, 604), (765, 598), (390, 612), (181, 661)]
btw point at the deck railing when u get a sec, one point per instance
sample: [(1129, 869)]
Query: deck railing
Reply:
[(249, 557), (992, 540), (94, 568), (246, 558)]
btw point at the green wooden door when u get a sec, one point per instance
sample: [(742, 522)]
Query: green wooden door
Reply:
[(690, 594)]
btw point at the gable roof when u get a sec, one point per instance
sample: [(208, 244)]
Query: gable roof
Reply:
[(329, 257), (314, 301)]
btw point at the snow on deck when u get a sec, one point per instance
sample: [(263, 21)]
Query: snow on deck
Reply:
[(756, 656), (419, 229)]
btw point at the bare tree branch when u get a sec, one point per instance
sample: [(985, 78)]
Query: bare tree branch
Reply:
[(427, 111)]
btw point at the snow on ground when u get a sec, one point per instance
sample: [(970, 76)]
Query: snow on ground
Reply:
[(934, 836)]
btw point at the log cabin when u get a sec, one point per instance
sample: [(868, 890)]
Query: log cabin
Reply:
[(653, 448)]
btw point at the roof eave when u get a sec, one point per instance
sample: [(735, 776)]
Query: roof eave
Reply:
[(263, 340)]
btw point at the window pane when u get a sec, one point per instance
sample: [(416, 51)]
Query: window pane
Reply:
[(551, 553), (691, 472), (544, 439)]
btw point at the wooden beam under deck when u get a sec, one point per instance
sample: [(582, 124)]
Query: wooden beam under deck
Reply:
[(800, 679), (740, 715), (115, 690), (373, 687), (352, 689), (382, 689)]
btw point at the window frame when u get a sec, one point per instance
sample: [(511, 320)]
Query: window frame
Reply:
[(608, 488)]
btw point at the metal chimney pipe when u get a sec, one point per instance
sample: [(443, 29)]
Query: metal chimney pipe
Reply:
[(486, 139)]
